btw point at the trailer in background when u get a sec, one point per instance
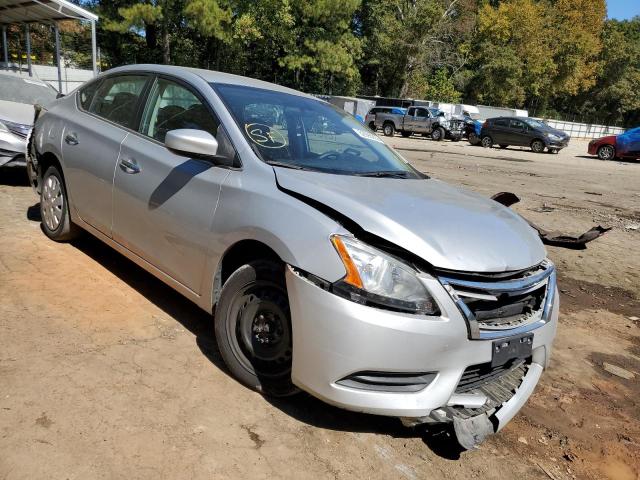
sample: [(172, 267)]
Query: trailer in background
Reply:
[(486, 111), (358, 107)]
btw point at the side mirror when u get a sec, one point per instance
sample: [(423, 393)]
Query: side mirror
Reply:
[(191, 142)]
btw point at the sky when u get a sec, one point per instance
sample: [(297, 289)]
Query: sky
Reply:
[(623, 9)]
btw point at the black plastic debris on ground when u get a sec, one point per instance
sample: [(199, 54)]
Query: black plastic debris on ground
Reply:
[(556, 239)]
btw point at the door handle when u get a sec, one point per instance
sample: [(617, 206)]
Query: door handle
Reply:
[(71, 139), (129, 165)]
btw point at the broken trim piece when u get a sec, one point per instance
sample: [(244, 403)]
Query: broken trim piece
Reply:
[(555, 239)]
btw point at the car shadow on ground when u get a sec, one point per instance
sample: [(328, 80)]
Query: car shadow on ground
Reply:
[(14, 176), (303, 407)]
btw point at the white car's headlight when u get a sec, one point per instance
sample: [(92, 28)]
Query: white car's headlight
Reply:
[(376, 278)]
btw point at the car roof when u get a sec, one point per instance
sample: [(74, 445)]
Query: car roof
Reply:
[(210, 76)]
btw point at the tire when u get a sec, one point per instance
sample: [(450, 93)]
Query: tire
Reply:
[(437, 134), (486, 142), (54, 207), (473, 138), (537, 146), (388, 129), (607, 152), (503, 146), (405, 134), (253, 328), (372, 126)]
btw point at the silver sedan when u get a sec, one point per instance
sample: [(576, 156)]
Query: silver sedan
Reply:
[(329, 263)]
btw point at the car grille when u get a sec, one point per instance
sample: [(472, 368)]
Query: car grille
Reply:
[(506, 304), (498, 384)]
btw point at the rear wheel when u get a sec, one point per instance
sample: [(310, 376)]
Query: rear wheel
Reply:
[(388, 129), (54, 208), (537, 146), (486, 141), (606, 152), (253, 328), (437, 134)]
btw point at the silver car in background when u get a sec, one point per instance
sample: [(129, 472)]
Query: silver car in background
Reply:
[(330, 264), (18, 95)]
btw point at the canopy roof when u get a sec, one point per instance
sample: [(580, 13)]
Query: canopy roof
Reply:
[(20, 11)]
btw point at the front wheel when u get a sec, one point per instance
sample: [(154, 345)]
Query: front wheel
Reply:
[(372, 126), (473, 138), (537, 146), (606, 152), (253, 328), (388, 129), (437, 134), (54, 207), (486, 141)]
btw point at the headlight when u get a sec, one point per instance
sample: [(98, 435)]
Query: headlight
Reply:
[(373, 277), (553, 136)]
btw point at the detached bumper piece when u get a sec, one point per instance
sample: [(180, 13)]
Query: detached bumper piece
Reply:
[(498, 386), (555, 239)]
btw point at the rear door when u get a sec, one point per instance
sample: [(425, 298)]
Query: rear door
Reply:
[(164, 202), (91, 142), (500, 131)]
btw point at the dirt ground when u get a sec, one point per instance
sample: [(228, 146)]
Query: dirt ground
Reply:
[(107, 373)]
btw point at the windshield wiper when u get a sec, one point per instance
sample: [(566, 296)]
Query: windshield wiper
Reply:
[(384, 173), (286, 165)]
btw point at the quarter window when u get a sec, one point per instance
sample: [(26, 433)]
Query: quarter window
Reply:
[(117, 99)]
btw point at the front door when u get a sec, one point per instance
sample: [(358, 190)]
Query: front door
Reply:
[(164, 202), (91, 142), (518, 133)]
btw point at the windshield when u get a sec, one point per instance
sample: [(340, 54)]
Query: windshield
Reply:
[(298, 132), (24, 90), (534, 123)]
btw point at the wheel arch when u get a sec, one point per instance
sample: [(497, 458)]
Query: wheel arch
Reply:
[(237, 254), (46, 160)]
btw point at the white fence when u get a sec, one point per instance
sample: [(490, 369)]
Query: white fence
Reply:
[(71, 77), (583, 130)]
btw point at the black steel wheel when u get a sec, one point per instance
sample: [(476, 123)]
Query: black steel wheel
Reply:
[(253, 328)]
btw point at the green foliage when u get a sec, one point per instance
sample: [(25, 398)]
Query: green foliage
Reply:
[(549, 56)]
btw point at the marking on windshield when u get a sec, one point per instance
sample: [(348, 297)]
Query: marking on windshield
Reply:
[(264, 135), (367, 135)]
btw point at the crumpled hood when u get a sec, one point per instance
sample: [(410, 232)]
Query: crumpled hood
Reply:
[(15, 112), (446, 226)]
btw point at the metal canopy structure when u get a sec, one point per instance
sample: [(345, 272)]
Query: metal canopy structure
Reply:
[(46, 12)]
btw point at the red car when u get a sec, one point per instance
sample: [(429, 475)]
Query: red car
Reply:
[(625, 145)]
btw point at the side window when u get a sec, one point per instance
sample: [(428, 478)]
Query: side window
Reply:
[(411, 112), (172, 106), (516, 124), (501, 122), (87, 93), (116, 99), (422, 112)]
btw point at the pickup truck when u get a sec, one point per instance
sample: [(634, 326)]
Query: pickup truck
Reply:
[(427, 121)]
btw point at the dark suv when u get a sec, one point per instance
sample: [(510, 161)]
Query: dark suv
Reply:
[(527, 132)]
